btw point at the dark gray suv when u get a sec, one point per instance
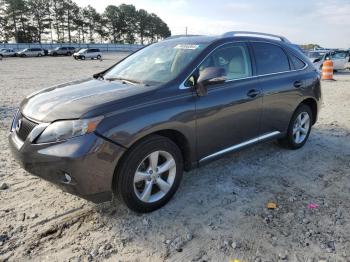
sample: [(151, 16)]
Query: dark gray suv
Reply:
[(133, 129)]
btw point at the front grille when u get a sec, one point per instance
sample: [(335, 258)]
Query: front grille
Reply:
[(24, 127)]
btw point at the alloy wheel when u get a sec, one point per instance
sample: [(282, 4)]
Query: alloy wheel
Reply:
[(154, 176), (301, 127)]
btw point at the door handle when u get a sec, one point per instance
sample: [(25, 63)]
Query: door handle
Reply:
[(298, 84), (253, 93)]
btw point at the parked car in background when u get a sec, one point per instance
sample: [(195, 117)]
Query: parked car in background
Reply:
[(31, 52), (340, 58), (88, 53), (133, 129), (65, 50), (7, 52)]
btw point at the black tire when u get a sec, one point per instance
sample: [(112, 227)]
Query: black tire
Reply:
[(39, 55), (54, 54), (82, 57), (69, 54), (98, 57), (23, 55), (124, 174), (289, 140)]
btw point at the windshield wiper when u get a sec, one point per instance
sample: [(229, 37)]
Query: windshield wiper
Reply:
[(126, 81)]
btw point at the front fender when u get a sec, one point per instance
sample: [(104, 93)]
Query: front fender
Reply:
[(129, 125)]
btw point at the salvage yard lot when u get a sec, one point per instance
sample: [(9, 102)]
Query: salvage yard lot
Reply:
[(219, 212)]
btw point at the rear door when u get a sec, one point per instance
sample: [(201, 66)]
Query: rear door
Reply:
[(281, 83), (230, 113)]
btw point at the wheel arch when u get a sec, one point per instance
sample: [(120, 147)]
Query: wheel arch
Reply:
[(313, 106), (175, 136)]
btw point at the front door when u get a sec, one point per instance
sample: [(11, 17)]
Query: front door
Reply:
[(230, 113)]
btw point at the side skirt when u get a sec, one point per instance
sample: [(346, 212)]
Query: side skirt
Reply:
[(259, 139)]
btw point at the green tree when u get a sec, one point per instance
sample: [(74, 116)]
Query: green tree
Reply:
[(65, 21), (142, 24), (40, 16), (113, 22), (128, 17), (14, 13)]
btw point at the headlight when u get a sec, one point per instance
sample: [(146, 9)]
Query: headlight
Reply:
[(63, 130)]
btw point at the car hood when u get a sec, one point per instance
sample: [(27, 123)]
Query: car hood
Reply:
[(75, 99)]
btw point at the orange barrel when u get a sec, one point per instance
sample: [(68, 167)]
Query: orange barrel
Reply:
[(327, 70)]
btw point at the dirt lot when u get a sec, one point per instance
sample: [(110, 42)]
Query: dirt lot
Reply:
[(219, 212)]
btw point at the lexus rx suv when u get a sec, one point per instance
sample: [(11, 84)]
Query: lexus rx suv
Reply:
[(131, 130)]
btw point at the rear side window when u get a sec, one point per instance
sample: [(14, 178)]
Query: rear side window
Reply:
[(270, 58), (298, 64)]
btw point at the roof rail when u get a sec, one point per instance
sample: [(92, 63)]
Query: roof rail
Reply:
[(178, 36), (235, 33)]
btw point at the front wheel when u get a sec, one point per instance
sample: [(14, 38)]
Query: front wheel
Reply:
[(83, 58), (149, 174), (98, 57), (299, 128)]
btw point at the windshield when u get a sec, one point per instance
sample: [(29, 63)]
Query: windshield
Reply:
[(82, 50), (156, 64)]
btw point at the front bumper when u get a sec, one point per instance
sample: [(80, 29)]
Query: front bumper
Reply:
[(89, 160)]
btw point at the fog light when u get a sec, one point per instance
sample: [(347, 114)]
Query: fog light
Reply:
[(67, 178)]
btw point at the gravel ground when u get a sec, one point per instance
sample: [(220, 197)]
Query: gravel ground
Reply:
[(219, 212)]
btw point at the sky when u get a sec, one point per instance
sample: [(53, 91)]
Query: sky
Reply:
[(323, 22)]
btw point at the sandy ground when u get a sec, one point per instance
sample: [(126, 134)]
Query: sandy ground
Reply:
[(219, 212)]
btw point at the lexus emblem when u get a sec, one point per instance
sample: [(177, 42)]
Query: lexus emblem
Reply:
[(18, 125)]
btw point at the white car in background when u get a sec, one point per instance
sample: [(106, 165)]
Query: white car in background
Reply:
[(31, 52), (340, 58), (7, 52), (88, 53)]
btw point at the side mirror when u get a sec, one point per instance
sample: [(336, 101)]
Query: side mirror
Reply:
[(209, 76)]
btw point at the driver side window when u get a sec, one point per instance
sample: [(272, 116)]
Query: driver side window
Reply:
[(233, 58)]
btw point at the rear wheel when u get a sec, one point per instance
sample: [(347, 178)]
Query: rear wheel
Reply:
[(69, 54), (83, 58), (40, 55), (98, 57), (299, 128), (149, 174)]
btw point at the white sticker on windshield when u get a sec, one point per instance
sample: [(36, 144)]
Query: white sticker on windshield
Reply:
[(184, 46)]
